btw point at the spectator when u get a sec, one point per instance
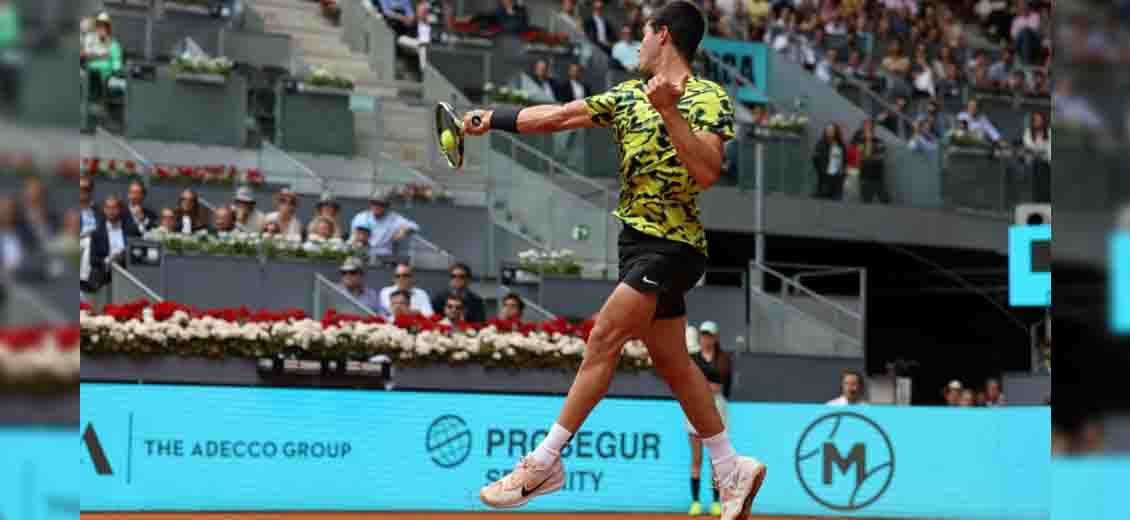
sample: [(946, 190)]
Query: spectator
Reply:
[(386, 228), (38, 221), (574, 88), (453, 310), (398, 305), (191, 215), (944, 58), (968, 398), (598, 28), (872, 163), (247, 218), (404, 280), (952, 393), (512, 307), (143, 218), (636, 20), (851, 389), (949, 86), (890, 118), (896, 67), (328, 209), (1073, 109), (1015, 84), (360, 237), (400, 16), (922, 73), (626, 52), (272, 228), (1002, 68), (14, 244), (285, 214), (1039, 85), (568, 16), (923, 139), (1038, 137), (223, 220), (993, 15), (321, 229), (936, 126), (538, 86), (90, 214), (993, 395), (105, 60), (825, 69), (828, 159), (168, 221), (459, 287), (978, 123), (108, 243), (353, 282), (1025, 32)]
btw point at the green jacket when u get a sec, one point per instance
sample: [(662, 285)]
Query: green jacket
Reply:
[(9, 26), (108, 65)]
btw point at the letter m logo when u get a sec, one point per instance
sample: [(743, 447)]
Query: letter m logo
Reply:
[(832, 456), (97, 454)]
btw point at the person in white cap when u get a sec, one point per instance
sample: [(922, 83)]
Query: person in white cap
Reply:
[(247, 218), (106, 58), (326, 209), (952, 393), (716, 366)]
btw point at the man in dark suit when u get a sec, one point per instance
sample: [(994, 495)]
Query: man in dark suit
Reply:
[(474, 311), (143, 217), (109, 241), (598, 28), (574, 87)]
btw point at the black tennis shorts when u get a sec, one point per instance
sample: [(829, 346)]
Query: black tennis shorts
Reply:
[(653, 264)]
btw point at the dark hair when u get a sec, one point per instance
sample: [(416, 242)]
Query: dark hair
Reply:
[(516, 298), (685, 23), (400, 292), (852, 372), (144, 190), (464, 267)]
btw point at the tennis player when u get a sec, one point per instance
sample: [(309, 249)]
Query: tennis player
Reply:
[(670, 131)]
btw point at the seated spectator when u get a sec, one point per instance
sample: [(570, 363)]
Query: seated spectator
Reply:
[(598, 28), (460, 287), (143, 217), (567, 16), (286, 213), (922, 74), (353, 282), (872, 164), (1038, 87), (851, 389), (936, 125), (272, 228), (168, 221), (942, 60), (539, 86), (889, 118), (38, 221), (247, 218), (321, 229), (104, 59), (400, 15), (979, 123), (328, 209), (626, 52), (923, 139), (108, 243), (360, 237), (223, 220), (90, 214), (896, 66), (1000, 70), (386, 228), (968, 398), (836, 25), (404, 279), (952, 393), (398, 305), (825, 69), (453, 310), (993, 395), (512, 307), (949, 86), (575, 87), (191, 215), (1015, 84), (1025, 32)]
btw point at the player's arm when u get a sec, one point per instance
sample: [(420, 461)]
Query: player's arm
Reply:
[(538, 119), (700, 152)]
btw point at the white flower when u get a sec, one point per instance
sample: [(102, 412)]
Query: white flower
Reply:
[(496, 356)]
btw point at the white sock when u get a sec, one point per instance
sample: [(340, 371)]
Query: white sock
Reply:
[(722, 454), (550, 448)]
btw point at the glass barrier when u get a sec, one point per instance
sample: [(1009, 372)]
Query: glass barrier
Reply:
[(781, 324), (981, 180), (279, 167), (329, 295)]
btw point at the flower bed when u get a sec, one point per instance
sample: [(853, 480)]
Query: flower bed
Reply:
[(255, 244), (560, 262), (324, 77), (199, 65), (213, 174), (33, 354), (419, 193), (143, 329)]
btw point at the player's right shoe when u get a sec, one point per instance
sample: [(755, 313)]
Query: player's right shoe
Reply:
[(696, 509), (528, 481), (740, 487)]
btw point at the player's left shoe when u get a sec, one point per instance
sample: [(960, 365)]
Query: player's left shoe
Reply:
[(528, 481), (740, 487), (716, 509)]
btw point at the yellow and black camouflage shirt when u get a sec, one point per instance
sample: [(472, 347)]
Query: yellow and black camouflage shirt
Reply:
[(657, 193)]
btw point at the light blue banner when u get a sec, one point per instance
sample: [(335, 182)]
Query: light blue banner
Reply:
[(37, 474), (1025, 288), (750, 59), (1120, 283), (206, 448), (1093, 488)]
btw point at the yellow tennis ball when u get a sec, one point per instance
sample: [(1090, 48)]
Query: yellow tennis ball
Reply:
[(447, 139)]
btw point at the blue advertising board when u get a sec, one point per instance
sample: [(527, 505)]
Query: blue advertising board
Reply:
[(1025, 287), (750, 59), (1090, 487), (1120, 283), (37, 474), (188, 448)]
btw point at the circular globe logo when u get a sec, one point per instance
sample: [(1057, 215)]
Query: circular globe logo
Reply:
[(845, 461), (449, 441)]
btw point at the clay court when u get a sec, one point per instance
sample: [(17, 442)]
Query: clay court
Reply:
[(409, 516)]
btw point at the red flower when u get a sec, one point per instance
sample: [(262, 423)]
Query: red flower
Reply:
[(163, 172), (405, 321), (83, 306), (90, 165), (254, 176), (68, 337), (127, 311), (22, 338)]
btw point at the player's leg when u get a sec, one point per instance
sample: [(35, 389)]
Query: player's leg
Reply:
[(623, 316), (738, 478), (696, 474)]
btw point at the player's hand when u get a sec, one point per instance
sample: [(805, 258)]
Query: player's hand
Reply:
[(664, 92), (469, 126)]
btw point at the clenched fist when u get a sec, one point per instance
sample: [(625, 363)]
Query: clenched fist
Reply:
[(664, 92)]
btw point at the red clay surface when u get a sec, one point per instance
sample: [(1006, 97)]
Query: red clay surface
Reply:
[(409, 516)]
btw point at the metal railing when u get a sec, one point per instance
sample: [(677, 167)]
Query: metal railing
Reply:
[(329, 295), (780, 322), (108, 146), (125, 287)]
